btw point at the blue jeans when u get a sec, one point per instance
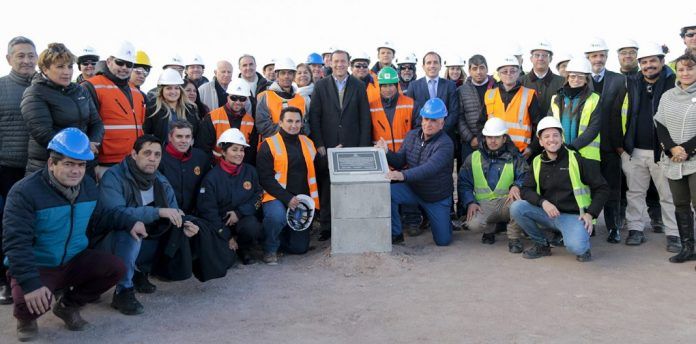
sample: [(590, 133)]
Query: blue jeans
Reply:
[(131, 251), (278, 234), (532, 218), (438, 212)]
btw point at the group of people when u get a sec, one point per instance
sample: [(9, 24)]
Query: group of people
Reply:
[(105, 184)]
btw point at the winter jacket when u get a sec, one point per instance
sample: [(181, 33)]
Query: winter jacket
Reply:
[(265, 124), (185, 177), (430, 164), (207, 136), (297, 169), (545, 88), (592, 129), (610, 101), (469, 112), (158, 124), (48, 108), (44, 229), (676, 126), (14, 133), (492, 164)]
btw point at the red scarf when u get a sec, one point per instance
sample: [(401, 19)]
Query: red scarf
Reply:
[(183, 157), (230, 168)]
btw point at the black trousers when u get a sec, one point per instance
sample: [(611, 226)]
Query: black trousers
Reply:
[(610, 167), (324, 184), (8, 177)]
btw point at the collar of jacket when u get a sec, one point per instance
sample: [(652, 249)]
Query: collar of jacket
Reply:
[(288, 137), (41, 79), (577, 92), (391, 102), (119, 82), (283, 94), (183, 157), (230, 112), (506, 152), (432, 138), (689, 91), (21, 80), (513, 90), (546, 79), (562, 154), (378, 66)]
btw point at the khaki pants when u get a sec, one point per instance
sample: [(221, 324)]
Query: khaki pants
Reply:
[(639, 168), (492, 212)]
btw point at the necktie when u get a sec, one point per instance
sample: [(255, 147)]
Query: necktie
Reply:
[(597, 78), (431, 89)]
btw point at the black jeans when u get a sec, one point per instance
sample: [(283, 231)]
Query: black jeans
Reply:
[(683, 193), (610, 167)]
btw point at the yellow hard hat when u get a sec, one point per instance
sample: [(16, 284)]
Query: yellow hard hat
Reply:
[(141, 58)]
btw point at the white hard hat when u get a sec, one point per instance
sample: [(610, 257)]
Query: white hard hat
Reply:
[(518, 51), (285, 63), (239, 87), (562, 58), (650, 49), (689, 21), (268, 63), (454, 61), (542, 45), (232, 135), (175, 60), (125, 52), (494, 127), (508, 61), (89, 51), (627, 43), (360, 56), (196, 60), (579, 65), (300, 218), (386, 44), (548, 122), (408, 58), (596, 44), (170, 76)]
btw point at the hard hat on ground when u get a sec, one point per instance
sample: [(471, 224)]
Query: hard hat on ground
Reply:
[(239, 87), (388, 75), (548, 122), (170, 76), (232, 135), (73, 143), (434, 108), (494, 127), (300, 218)]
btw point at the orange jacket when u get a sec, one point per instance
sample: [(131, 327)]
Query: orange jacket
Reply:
[(516, 116), (221, 122), (280, 165), (393, 133)]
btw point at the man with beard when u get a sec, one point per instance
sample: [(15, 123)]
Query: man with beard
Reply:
[(281, 94), (407, 71)]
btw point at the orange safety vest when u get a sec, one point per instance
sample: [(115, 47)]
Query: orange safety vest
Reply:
[(393, 133), (221, 122), (373, 91), (516, 116), (276, 104), (280, 165), (123, 123)]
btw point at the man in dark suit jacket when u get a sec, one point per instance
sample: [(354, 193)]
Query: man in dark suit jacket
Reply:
[(339, 116), (612, 89), (446, 90)]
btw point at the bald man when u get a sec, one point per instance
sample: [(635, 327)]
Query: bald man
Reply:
[(214, 93)]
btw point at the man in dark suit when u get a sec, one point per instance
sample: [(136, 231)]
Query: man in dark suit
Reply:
[(339, 116), (433, 86), (612, 89)]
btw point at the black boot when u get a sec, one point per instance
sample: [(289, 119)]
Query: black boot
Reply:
[(142, 283), (5, 294), (685, 224)]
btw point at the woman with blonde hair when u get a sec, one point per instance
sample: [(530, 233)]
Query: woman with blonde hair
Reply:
[(170, 104)]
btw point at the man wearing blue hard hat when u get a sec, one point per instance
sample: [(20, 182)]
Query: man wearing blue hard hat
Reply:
[(316, 65), (427, 181), (46, 221)]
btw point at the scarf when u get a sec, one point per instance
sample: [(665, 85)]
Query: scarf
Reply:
[(70, 193), (235, 114), (143, 180), (230, 168), (183, 157)]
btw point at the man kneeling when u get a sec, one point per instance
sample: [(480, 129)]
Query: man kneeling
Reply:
[(562, 192)]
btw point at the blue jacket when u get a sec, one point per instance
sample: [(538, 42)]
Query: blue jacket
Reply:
[(430, 164), (118, 192), (492, 164), (446, 91), (43, 229)]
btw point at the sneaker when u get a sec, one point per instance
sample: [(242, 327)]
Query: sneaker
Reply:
[(397, 239), (126, 303), (585, 257), (635, 238), (27, 330), (515, 246), (557, 240), (657, 226), (142, 283), (488, 238), (673, 244), (70, 315), (270, 258), (537, 251)]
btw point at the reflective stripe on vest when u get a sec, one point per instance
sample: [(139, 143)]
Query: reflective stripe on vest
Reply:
[(624, 114), (580, 190), (221, 122), (591, 151), (516, 115), (393, 133), (280, 165), (276, 104), (482, 191)]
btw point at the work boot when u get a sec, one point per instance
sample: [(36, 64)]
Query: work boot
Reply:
[(413, 230), (557, 240), (126, 303), (614, 236), (27, 330), (270, 258), (585, 257), (70, 315), (673, 244), (685, 224), (397, 239), (5, 294), (488, 238), (635, 238), (515, 246), (656, 220), (537, 251), (142, 283), (325, 235)]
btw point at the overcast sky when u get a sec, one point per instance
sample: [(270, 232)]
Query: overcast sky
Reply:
[(218, 29)]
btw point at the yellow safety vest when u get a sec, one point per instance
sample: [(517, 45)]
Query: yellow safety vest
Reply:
[(483, 192), (591, 151), (580, 190)]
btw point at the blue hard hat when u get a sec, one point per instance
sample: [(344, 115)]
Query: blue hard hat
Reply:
[(434, 108), (73, 143), (315, 58)]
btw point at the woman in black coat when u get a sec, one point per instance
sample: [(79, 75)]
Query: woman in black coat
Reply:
[(170, 104), (53, 103)]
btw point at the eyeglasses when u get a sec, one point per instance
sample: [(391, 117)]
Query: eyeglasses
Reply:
[(141, 71), (122, 63), (628, 53), (576, 76), (540, 55), (407, 67), (238, 98), (88, 63), (359, 66), (690, 34), (511, 71)]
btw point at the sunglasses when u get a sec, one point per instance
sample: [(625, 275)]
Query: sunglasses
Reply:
[(407, 67), (690, 34), (88, 63), (238, 98), (141, 71), (359, 66), (122, 63)]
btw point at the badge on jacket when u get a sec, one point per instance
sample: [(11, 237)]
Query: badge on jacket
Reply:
[(247, 185), (197, 170)]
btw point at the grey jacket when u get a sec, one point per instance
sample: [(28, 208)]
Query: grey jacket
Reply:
[(676, 127), (14, 134), (469, 112)]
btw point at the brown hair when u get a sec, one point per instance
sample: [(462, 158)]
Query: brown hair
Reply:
[(687, 59), (55, 53)]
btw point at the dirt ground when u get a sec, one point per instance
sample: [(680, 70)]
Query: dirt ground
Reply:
[(420, 293)]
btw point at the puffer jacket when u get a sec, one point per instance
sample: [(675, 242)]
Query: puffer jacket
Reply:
[(157, 123), (13, 131), (48, 108)]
